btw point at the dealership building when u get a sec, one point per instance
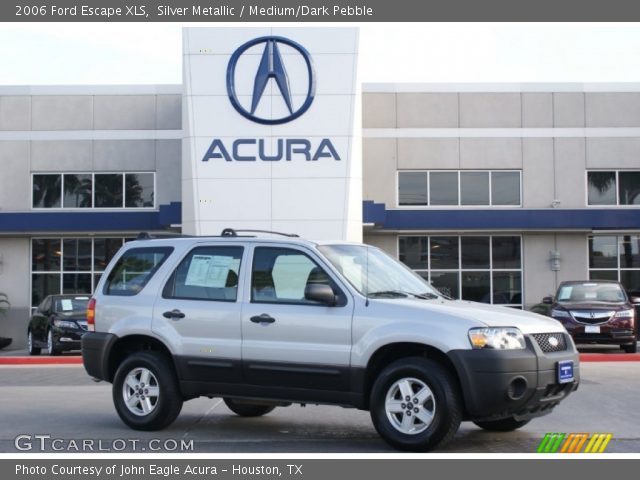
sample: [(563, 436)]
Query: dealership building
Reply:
[(493, 192)]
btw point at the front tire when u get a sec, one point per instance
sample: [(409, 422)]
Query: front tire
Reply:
[(504, 425), (247, 409), (51, 346), (30, 348), (146, 392), (630, 348), (416, 405)]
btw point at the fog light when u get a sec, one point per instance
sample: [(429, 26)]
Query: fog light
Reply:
[(517, 388)]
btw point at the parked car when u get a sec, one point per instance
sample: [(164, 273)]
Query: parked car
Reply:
[(265, 322), (595, 312), (57, 324), (634, 298)]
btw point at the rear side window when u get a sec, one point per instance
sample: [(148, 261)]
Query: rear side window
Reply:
[(134, 269), (207, 273)]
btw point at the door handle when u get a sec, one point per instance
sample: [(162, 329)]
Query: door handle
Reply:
[(264, 318), (174, 314)]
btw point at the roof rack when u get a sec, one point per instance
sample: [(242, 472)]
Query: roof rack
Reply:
[(231, 232), (227, 232), (161, 236)]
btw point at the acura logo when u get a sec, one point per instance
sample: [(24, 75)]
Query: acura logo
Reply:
[(592, 314), (272, 67)]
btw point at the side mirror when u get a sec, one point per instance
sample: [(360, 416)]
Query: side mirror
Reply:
[(320, 292), (548, 300), (34, 310), (635, 300)]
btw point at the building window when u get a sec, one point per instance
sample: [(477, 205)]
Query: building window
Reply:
[(459, 188), (108, 190), (480, 268), (413, 188), (615, 257), (69, 265), (78, 190), (613, 188), (93, 190), (47, 191)]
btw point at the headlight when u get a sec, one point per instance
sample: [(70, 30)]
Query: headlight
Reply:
[(560, 313), (64, 324), (506, 338), (624, 314)]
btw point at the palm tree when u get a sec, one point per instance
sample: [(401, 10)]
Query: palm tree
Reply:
[(601, 181)]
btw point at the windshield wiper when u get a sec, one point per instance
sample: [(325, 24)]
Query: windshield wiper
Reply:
[(400, 293)]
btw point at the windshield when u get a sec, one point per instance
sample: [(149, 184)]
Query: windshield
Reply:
[(591, 292), (71, 305), (375, 274)]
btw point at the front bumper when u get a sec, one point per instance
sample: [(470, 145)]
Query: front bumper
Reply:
[(608, 335), (513, 383), (67, 338), (617, 331)]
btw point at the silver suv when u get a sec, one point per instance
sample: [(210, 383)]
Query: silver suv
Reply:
[(266, 321)]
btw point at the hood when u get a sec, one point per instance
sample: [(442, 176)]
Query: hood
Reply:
[(72, 316), (483, 314), (596, 306)]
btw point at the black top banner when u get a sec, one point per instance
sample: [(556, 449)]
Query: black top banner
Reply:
[(318, 11)]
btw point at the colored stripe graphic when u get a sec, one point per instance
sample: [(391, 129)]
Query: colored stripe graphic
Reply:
[(550, 443), (573, 443), (598, 443)]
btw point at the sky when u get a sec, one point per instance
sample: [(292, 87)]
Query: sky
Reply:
[(102, 53)]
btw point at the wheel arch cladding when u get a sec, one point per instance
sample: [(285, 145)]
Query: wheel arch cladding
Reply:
[(125, 346)]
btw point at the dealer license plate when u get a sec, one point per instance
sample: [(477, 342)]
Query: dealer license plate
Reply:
[(592, 329), (565, 371)]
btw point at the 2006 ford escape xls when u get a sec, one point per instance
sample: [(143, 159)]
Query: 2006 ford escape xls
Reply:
[(267, 321)]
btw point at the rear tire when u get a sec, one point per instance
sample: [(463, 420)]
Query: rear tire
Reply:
[(431, 415), (504, 425), (247, 409), (630, 348), (30, 348), (146, 392)]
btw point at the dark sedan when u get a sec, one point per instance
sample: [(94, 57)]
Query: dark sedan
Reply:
[(57, 324), (596, 311)]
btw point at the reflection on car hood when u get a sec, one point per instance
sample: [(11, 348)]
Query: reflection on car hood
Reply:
[(593, 306), (487, 315), (74, 316)]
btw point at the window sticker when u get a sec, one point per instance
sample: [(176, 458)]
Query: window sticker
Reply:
[(208, 271), (67, 305)]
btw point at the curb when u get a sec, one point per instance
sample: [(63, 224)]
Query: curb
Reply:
[(40, 360), (610, 357), (584, 357)]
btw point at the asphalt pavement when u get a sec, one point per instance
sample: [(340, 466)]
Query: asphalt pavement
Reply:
[(60, 407)]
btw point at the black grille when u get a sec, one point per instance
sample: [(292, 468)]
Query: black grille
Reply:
[(547, 345)]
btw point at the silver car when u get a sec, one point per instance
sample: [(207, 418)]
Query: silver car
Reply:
[(266, 321)]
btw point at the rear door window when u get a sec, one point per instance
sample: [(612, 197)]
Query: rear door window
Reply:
[(134, 269), (207, 273)]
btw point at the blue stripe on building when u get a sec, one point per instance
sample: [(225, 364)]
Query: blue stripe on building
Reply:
[(61, 221), (373, 213), (501, 219)]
